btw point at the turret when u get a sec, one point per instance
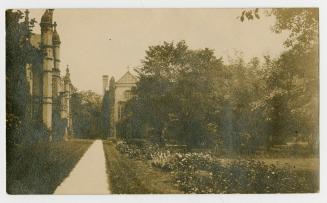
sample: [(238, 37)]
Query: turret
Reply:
[(56, 68), (67, 95), (67, 80), (46, 27), (47, 66)]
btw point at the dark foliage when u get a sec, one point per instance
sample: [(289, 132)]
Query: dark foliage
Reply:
[(20, 128), (86, 114), (105, 115)]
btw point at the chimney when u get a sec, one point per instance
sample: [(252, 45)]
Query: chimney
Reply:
[(105, 81)]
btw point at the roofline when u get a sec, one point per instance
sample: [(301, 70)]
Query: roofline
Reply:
[(128, 72)]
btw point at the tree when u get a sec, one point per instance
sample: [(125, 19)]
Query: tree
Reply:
[(190, 97), (19, 53), (156, 80), (197, 97), (303, 26), (302, 23), (111, 104), (86, 114), (175, 94), (105, 115), (292, 79)]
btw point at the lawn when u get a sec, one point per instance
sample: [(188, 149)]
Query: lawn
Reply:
[(41, 167), (128, 176)]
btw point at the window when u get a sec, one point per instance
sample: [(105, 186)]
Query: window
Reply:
[(128, 94)]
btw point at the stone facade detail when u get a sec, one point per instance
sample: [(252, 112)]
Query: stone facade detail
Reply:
[(50, 92)]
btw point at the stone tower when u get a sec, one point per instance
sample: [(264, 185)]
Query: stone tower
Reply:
[(105, 80), (47, 66), (56, 69), (50, 92)]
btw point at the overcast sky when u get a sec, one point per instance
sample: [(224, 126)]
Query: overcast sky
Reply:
[(90, 54)]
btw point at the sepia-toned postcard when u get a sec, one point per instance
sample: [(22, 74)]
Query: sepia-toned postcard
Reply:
[(162, 101)]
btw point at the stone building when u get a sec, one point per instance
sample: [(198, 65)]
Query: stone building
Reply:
[(119, 93), (50, 92)]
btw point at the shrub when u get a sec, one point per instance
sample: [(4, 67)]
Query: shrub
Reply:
[(163, 160), (136, 152)]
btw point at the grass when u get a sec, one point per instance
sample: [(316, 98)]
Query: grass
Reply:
[(41, 167), (127, 176)]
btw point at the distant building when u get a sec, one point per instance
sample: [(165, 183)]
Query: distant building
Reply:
[(50, 91), (118, 95), (123, 93)]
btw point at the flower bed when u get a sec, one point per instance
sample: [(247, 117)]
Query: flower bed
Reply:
[(199, 174), (136, 152), (202, 173)]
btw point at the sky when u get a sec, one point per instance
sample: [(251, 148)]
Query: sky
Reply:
[(86, 47)]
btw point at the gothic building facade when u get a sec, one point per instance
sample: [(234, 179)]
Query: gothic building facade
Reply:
[(50, 92)]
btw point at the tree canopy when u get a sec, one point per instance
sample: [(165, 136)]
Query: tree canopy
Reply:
[(191, 97), (86, 114)]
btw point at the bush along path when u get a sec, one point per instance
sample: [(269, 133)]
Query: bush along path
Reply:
[(89, 175)]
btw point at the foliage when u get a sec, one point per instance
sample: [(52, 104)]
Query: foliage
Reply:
[(303, 26), (191, 97), (107, 111), (249, 14), (111, 104), (242, 176), (105, 117), (162, 160), (128, 176), (19, 52), (292, 103), (203, 173), (86, 114), (143, 152), (21, 129), (173, 81)]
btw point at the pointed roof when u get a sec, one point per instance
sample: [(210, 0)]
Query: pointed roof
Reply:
[(128, 78), (47, 17), (55, 36), (67, 76)]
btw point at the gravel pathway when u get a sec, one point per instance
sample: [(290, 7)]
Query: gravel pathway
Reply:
[(88, 176)]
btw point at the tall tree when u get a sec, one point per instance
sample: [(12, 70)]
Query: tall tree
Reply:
[(105, 115), (19, 53), (293, 77), (175, 93), (86, 114)]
